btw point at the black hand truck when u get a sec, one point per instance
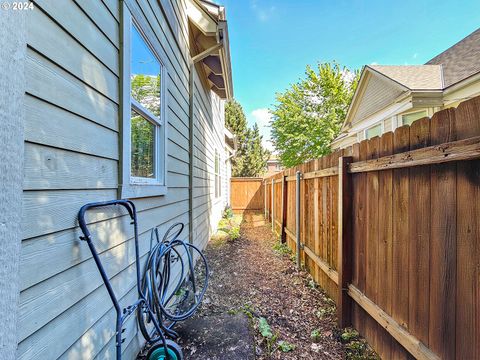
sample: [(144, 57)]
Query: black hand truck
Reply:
[(161, 348)]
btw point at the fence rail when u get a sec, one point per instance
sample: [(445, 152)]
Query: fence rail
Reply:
[(390, 228)]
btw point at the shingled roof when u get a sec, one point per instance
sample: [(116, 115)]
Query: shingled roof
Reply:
[(460, 61), (455, 64), (414, 77)]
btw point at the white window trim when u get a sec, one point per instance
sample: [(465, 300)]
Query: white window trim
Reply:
[(135, 187), (382, 123)]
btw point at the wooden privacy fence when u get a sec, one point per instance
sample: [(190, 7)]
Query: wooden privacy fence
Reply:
[(390, 228), (246, 194)]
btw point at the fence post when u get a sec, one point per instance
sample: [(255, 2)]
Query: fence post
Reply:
[(272, 212), (297, 217), (265, 198), (344, 306), (284, 208)]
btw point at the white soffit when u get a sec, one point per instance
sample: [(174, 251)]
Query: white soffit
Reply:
[(201, 18)]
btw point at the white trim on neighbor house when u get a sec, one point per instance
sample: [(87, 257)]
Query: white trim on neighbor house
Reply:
[(131, 186), (381, 116), (462, 91)]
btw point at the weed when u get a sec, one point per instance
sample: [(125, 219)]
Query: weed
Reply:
[(325, 312), (312, 284), (264, 328), (230, 226), (315, 335), (348, 335), (248, 310), (285, 346), (233, 311), (356, 347), (359, 350), (268, 335), (328, 300), (281, 248), (227, 213)]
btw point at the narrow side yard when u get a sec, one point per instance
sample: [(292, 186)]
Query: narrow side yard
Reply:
[(289, 316)]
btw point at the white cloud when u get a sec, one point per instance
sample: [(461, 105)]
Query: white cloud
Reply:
[(262, 12), (415, 55), (262, 118)]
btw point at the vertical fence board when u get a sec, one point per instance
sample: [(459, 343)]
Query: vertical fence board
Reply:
[(385, 250), (443, 247), (468, 235), (419, 236), (317, 273), (371, 251), (401, 143)]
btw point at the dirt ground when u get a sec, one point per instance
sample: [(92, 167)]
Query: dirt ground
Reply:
[(254, 276)]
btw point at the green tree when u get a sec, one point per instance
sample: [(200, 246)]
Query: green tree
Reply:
[(255, 156), (250, 158), (235, 120), (309, 115)]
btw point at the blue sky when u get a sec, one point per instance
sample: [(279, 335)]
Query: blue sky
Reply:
[(271, 41)]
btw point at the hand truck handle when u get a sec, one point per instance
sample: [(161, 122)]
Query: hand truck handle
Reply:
[(127, 204)]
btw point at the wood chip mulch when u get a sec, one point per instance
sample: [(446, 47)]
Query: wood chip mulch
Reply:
[(248, 275)]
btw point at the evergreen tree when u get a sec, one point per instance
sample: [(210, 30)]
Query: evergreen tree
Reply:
[(255, 157), (250, 158)]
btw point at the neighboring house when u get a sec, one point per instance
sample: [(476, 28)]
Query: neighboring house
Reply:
[(388, 97), (113, 107), (273, 166)]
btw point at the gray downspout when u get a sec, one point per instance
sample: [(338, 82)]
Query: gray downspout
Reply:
[(191, 125)]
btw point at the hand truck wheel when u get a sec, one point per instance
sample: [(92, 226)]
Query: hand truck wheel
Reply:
[(157, 351)]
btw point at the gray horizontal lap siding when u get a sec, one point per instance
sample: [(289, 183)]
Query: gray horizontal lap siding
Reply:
[(72, 157)]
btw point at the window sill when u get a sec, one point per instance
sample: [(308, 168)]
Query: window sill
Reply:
[(131, 191)]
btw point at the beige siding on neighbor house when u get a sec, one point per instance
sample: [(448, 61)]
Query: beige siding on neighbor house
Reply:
[(379, 93), (72, 157)]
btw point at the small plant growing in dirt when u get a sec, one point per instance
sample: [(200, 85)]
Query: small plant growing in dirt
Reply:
[(348, 335), (281, 249), (325, 312), (359, 350), (227, 213), (268, 335), (316, 335), (264, 328), (248, 310), (230, 227), (285, 346), (356, 347), (234, 233), (312, 284)]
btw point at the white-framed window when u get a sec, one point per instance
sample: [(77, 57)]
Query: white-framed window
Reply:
[(410, 118), (218, 178), (375, 130), (143, 113)]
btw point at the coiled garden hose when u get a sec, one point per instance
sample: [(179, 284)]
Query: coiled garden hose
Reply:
[(170, 282)]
